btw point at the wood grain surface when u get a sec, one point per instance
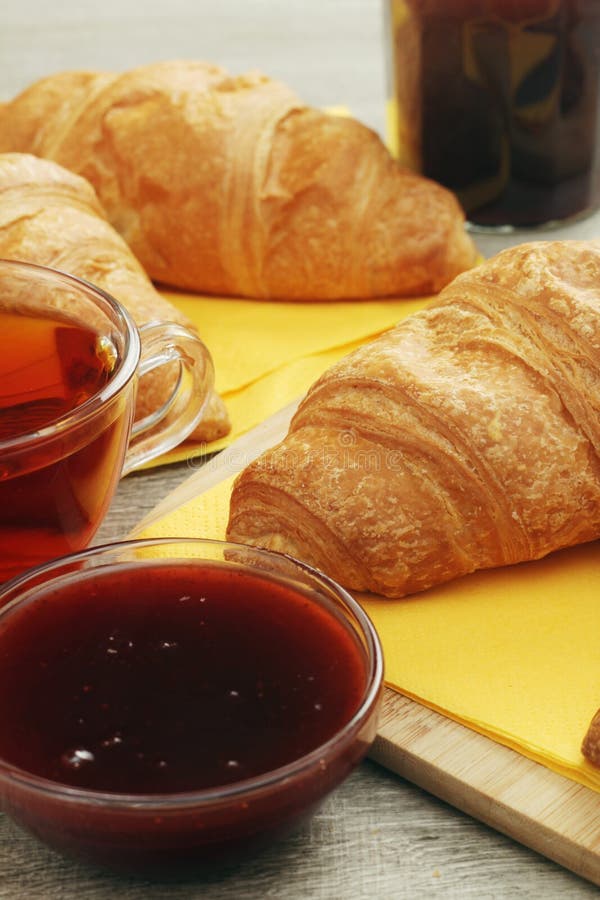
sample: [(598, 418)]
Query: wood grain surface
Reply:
[(497, 785), (379, 835)]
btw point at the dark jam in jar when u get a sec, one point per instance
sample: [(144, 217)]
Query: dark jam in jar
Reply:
[(498, 100), (170, 677)]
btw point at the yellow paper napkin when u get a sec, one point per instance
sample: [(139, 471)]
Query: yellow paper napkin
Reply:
[(268, 353), (512, 653)]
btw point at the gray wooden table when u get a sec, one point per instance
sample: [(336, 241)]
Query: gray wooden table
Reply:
[(377, 836)]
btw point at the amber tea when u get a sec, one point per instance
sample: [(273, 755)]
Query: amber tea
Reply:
[(54, 492)]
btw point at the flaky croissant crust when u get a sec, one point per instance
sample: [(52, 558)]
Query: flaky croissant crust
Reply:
[(465, 438), (232, 186)]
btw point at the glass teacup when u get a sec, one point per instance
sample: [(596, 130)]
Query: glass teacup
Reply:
[(71, 358)]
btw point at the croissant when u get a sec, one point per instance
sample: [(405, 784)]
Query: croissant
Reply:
[(465, 438), (231, 186), (590, 746), (52, 217)]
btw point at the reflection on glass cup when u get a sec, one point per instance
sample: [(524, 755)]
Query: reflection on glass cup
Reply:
[(498, 100), (70, 361)]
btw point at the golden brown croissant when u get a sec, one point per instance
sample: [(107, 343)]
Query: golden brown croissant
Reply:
[(465, 438), (52, 217), (230, 185), (590, 746)]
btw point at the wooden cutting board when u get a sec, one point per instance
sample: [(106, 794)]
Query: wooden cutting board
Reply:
[(537, 807), (543, 810)]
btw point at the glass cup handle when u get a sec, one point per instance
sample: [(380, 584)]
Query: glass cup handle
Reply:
[(173, 345)]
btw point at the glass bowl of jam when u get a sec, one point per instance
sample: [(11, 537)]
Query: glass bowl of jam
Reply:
[(171, 703)]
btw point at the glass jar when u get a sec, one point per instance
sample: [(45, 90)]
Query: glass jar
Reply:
[(498, 100)]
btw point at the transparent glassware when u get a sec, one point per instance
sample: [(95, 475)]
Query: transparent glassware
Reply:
[(162, 832)]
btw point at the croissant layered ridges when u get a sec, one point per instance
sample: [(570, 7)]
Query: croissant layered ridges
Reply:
[(462, 439), (230, 185)]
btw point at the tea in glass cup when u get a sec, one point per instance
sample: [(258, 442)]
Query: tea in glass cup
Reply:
[(70, 360)]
